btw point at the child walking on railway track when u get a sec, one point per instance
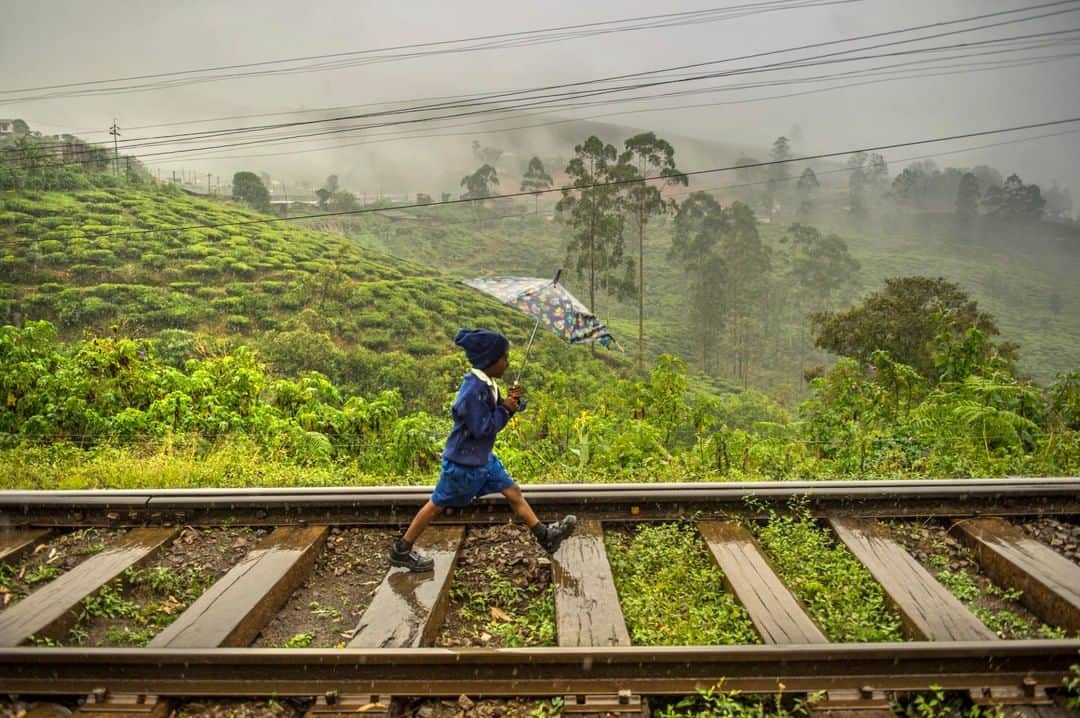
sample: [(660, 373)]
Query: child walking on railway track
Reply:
[(469, 466)]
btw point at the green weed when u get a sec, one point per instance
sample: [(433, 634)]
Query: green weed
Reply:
[(43, 572), (1072, 686), (170, 591), (1002, 621), (320, 611), (300, 640), (716, 702), (108, 603), (670, 591), (937, 703), (7, 576), (549, 709), (533, 626), (838, 591), (44, 642), (127, 636), (961, 584)]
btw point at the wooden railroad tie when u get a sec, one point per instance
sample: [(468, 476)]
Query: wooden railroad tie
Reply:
[(105, 704), (1050, 582), (52, 609), (244, 600)]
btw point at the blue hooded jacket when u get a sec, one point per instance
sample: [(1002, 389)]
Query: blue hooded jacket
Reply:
[(477, 419)]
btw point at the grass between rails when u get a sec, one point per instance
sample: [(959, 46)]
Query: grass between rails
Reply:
[(172, 591), (529, 619), (136, 622), (670, 591), (839, 593), (1002, 621), (502, 593), (48, 561)]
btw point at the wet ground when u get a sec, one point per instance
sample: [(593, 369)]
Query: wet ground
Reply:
[(326, 609), (239, 709), (501, 593), (162, 589), (48, 560), (1062, 536), (466, 707)]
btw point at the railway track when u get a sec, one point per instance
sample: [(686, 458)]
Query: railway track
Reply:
[(277, 538)]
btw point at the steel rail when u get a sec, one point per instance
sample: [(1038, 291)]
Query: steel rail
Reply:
[(612, 502), (538, 671)]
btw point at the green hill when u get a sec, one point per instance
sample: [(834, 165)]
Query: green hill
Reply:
[(166, 390), (106, 261), (1026, 282)]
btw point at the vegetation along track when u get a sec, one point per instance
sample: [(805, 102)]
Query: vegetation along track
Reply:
[(135, 598)]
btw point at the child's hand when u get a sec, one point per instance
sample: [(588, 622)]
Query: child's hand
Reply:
[(516, 391), (511, 402)]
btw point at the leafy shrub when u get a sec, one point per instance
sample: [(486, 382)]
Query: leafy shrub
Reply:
[(200, 269), (237, 322)]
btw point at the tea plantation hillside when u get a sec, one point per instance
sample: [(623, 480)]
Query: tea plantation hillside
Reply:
[(263, 353), (1027, 282), (106, 261)]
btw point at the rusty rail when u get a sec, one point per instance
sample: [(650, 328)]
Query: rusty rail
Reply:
[(537, 671), (606, 502), (1020, 669)]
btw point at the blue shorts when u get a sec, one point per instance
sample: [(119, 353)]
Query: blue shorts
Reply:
[(458, 485)]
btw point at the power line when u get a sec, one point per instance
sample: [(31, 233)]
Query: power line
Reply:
[(523, 94), (393, 138), (534, 36), (511, 195), (397, 137), (894, 160), (539, 102), (829, 58)]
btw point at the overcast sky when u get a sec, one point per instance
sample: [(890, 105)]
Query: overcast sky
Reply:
[(54, 42)]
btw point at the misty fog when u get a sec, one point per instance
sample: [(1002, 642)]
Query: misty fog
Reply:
[(70, 42)]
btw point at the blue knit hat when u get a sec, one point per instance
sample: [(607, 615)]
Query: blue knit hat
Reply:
[(482, 347)]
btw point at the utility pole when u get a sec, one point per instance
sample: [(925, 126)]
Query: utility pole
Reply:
[(209, 189), (115, 132), (174, 177)]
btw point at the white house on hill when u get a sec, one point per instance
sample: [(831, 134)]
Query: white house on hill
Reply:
[(13, 128)]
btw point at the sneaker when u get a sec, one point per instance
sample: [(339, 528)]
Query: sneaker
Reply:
[(403, 554), (553, 534)]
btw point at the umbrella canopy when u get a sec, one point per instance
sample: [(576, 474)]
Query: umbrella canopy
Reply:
[(550, 304)]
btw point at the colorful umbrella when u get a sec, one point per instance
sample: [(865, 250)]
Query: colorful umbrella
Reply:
[(550, 304)]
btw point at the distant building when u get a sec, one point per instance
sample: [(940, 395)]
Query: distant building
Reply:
[(13, 128)]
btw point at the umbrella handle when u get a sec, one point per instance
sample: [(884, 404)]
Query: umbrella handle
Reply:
[(528, 349)]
